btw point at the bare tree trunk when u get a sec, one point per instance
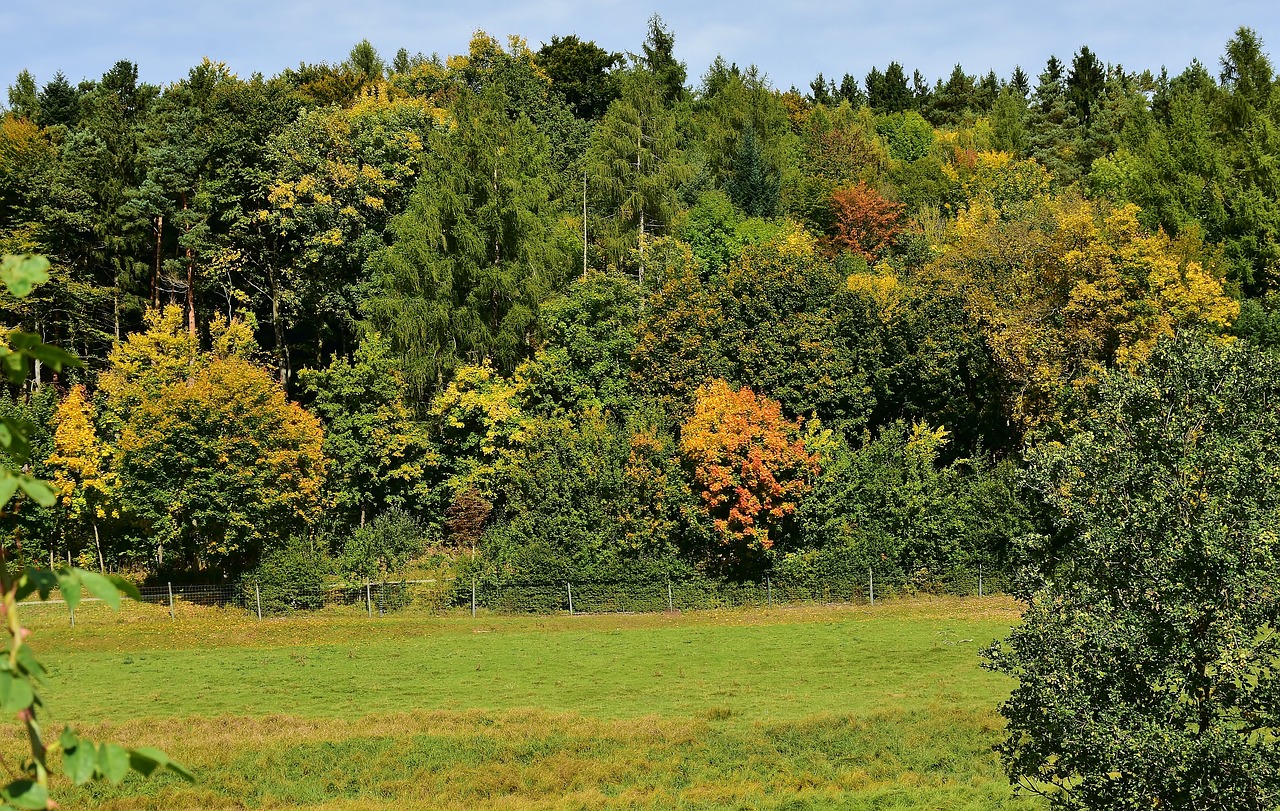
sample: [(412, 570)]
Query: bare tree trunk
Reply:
[(282, 355), (35, 379), (191, 294), (155, 271), (640, 276), (191, 280), (102, 567)]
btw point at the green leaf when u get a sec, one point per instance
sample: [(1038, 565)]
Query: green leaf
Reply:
[(146, 760), (15, 366), (8, 485), (69, 585), (26, 794), (113, 762), (23, 272), (37, 580), (15, 693), (80, 760), (125, 587), (14, 438), (100, 587), (38, 491), (30, 345), (29, 665)]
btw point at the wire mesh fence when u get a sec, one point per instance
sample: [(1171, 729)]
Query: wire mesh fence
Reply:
[(514, 596)]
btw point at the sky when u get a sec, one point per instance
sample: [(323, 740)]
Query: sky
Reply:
[(790, 43)]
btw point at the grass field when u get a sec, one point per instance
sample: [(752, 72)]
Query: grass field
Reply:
[(880, 707)]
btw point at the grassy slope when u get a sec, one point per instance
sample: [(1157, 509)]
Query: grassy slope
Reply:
[(879, 707)]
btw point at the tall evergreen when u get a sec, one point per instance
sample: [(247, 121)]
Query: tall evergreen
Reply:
[(1085, 84), (58, 103), (658, 58), (754, 186)]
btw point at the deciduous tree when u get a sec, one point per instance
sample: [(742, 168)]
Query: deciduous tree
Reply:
[(750, 466)]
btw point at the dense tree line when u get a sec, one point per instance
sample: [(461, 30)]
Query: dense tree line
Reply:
[(565, 312)]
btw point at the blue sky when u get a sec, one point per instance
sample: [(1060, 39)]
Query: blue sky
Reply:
[(790, 42)]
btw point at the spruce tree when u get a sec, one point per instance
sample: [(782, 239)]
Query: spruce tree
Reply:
[(754, 186)]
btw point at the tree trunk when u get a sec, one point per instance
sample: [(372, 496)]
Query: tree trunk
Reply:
[(155, 271), (282, 357), (191, 280), (35, 379), (115, 299), (640, 276), (102, 567)]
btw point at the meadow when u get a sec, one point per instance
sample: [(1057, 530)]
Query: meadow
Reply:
[(793, 708)]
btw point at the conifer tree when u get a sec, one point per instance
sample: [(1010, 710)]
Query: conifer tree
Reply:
[(753, 187)]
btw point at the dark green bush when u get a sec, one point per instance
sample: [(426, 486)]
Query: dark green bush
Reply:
[(288, 578)]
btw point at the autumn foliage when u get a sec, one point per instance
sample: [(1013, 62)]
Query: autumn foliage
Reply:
[(750, 464), (864, 222)]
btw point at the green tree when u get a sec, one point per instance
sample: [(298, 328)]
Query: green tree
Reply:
[(379, 455), (657, 58), (584, 362), (1145, 658), (1085, 83), (753, 187), (634, 167), (23, 97), (1009, 122), (888, 92), (582, 72), (478, 249), (365, 61), (58, 103), (384, 546)]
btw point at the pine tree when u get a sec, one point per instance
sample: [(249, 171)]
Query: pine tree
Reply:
[(754, 186), (658, 59), (1085, 84), (58, 103), (634, 167)]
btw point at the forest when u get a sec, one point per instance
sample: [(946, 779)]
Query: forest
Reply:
[(563, 312)]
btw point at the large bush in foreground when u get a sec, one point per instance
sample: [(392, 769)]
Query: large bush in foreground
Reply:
[(1146, 664)]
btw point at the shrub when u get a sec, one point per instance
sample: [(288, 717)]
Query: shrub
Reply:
[(290, 577)]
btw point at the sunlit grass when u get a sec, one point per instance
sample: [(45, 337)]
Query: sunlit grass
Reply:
[(793, 708)]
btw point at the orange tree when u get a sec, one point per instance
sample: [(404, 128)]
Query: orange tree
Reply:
[(863, 222), (750, 466)]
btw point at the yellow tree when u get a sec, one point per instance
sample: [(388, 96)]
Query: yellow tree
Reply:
[(1069, 289), (80, 464), (223, 466)]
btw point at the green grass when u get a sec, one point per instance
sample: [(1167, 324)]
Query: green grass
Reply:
[(797, 708)]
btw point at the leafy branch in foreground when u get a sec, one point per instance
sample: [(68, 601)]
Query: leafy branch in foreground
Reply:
[(21, 673)]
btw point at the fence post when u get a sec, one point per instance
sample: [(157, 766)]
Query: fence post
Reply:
[(171, 614), (768, 587), (569, 586), (871, 583), (473, 597), (980, 580), (73, 618), (671, 603), (368, 599), (258, 594)]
